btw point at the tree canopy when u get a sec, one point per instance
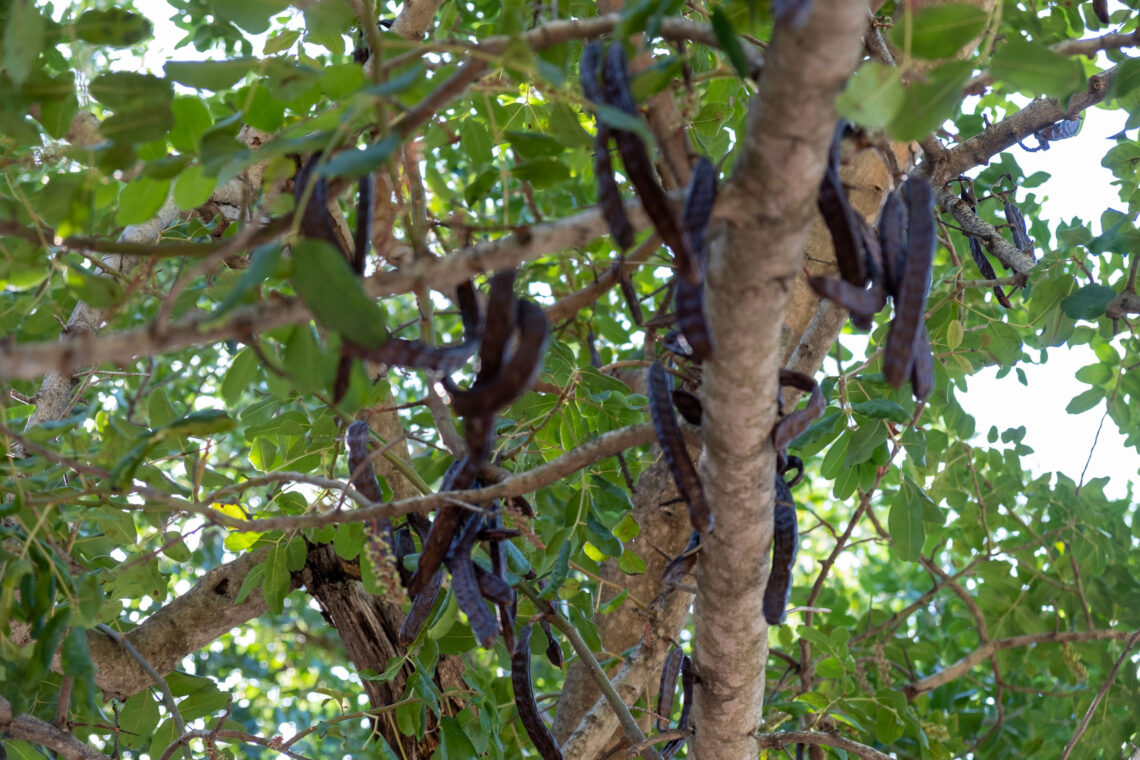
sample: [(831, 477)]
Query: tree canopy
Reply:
[(339, 361)]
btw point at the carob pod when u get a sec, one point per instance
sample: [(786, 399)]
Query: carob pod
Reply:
[(862, 303), (422, 604), (787, 429), (366, 188), (892, 241), (400, 352), (922, 373), (553, 650), (667, 689), (683, 563), (524, 699), (688, 405), (689, 296), (1017, 229), (1065, 128), (785, 544), (625, 283), (793, 463), (978, 254), (460, 475), (609, 197), (517, 376), (465, 583), (382, 549), (639, 166), (688, 680), (673, 445), (1100, 8), (316, 222), (910, 303), (840, 217)]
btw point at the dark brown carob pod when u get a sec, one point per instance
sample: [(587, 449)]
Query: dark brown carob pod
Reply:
[(839, 217), (892, 241), (667, 689), (609, 198), (787, 429), (673, 445), (785, 544), (910, 303), (639, 166), (529, 716)]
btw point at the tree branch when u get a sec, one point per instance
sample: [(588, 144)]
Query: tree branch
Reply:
[(978, 150), (781, 739), (984, 652), (31, 729), (86, 348), (790, 125)]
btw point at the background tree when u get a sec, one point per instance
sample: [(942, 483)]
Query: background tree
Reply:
[(185, 568)]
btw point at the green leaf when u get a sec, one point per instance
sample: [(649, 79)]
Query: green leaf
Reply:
[(192, 188), (175, 547), (209, 75), (22, 41), (927, 104), (329, 287), (141, 200), (888, 727), (730, 43), (542, 173), (251, 15), (126, 90), (262, 264), (864, 441), (883, 409), (159, 410), (873, 95), (239, 376), (1082, 402), (358, 163), (631, 564), (1126, 80), (198, 424), (1035, 69), (940, 31), (1089, 302), (114, 27), (905, 525)]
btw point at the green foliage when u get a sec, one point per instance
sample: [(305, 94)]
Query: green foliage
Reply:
[(114, 514)]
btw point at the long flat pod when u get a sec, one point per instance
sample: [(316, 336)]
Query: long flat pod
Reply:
[(688, 682), (840, 217), (690, 297), (796, 422), (363, 234), (460, 475), (910, 303), (1017, 229), (524, 699), (316, 222), (863, 303), (422, 604), (609, 198), (922, 373), (519, 373), (684, 562), (667, 689), (892, 241), (465, 583), (673, 445), (785, 544), (498, 326), (639, 166)]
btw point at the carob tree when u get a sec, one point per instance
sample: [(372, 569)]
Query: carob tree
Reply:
[(521, 331)]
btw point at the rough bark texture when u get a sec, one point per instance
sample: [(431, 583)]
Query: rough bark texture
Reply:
[(663, 529), (750, 274)]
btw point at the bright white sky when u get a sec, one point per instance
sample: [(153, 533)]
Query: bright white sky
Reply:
[(1079, 187)]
